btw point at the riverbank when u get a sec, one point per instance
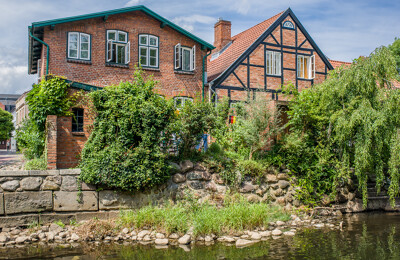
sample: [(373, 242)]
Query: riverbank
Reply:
[(237, 222)]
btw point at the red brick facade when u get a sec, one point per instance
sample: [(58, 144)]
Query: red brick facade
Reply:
[(63, 145), (96, 72)]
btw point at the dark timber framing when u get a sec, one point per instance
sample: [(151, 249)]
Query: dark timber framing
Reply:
[(244, 58)]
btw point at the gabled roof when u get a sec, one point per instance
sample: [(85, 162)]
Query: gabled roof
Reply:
[(244, 42), (239, 44), (35, 47)]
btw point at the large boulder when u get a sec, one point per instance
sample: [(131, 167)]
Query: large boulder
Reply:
[(186, 165)]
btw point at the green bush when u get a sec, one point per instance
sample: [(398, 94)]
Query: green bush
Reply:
[(36, 164), (124, 150), (6, 125), (30, 140)]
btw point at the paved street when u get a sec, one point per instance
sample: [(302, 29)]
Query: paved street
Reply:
[(10, 160)]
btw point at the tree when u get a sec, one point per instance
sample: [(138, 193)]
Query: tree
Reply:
[(349, 123), (395, 48), (6, 125)]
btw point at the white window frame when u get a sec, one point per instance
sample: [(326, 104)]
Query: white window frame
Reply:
[(310, 63), (178, 57), (113, 44), (273, 63), (147, 46), (79, 36), (183, 101)]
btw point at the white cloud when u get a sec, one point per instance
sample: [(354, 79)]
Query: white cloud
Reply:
[(132, 3), (188, 22)]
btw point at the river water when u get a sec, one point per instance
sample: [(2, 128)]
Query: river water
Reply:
[(364, 236)]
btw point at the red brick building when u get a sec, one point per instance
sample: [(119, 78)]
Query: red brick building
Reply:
[(259, 60), (100, 49)]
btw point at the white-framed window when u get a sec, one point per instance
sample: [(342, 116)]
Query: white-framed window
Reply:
[(180, 101), (148, 50), (185, 58), (78, 46), (118, 47), (273, 63), (306, 67)]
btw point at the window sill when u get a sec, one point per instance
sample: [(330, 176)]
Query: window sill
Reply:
[(272, 75), (86, 62), (151, 69), (305, 79), (78, 133), (116, 65), (184, 72)]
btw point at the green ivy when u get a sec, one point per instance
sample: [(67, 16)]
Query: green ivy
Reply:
[(125, 149), (49, 97)]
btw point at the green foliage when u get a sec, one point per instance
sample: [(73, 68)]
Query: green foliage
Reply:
[(193, 120), (36, 164), (30, 139), (59, 223), (6, 125), (395, 48), (49, 97), (124, 150), (350, 121), (237, 214)]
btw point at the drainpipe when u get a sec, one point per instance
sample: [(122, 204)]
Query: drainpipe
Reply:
[(204, 73), (47, 46)]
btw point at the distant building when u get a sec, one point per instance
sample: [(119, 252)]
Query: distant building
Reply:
[(7, 102), (21, 110)]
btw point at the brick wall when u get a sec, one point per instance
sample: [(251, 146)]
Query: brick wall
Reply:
[(171, 83), (2, 106)]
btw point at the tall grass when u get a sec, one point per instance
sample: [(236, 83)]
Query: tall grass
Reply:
[(235, 215)]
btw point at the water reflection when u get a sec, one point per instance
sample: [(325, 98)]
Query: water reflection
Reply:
[(364, 236)]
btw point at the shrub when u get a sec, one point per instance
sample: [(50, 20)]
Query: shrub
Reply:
[(124, 149), (36, 164), (6, 124), (30, 140)]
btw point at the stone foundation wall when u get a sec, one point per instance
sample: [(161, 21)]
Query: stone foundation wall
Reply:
[(52, 195)]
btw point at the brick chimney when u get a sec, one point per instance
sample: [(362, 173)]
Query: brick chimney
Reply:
[(222, 34)]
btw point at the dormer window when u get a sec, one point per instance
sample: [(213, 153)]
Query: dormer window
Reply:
[(148, 50), (118, 47), (185, 58), (78, 46)]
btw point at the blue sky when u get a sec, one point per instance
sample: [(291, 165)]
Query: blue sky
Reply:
[(343, 30)]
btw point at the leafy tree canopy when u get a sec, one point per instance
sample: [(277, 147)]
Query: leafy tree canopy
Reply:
[(6, 125), (395, 48), (349, 123)]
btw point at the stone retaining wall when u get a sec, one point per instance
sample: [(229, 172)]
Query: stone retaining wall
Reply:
[(48, 196)]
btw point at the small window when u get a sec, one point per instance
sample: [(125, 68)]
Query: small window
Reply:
[(180, 102), (185, 58), (118, 47), (148, 50), (78, 46), (77, 120), (306, 67), (273, 62), (288, 25)]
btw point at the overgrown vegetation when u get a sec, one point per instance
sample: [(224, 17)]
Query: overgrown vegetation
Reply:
[(125, 149), (49, 97), (6, 125), (237, 214), (348, 124), (395, 48)]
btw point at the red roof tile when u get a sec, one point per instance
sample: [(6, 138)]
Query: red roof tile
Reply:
[(337, 64), (240, 43)]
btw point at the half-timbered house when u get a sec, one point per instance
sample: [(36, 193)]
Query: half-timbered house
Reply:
[(259, 60)]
